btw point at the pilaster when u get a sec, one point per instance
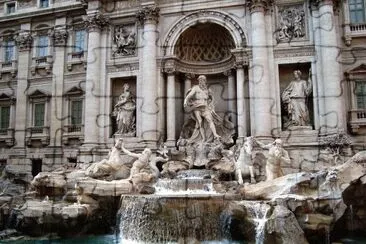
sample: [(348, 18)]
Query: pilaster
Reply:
[(59, 37), (260, 85), (95, 23), (148, 17), (24, 44)]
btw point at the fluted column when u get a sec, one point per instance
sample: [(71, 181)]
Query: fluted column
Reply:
[(260, 70), (241, 111), (24, 43), (187, 82), (331, 68), (95, 22), (171, 98), (148, 17), (59, 37), (231, 95)]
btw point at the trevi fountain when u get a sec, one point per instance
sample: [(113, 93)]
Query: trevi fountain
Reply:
[(207, 189)]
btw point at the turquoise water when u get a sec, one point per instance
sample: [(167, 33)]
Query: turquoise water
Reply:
[(102, 239), (115, 239)]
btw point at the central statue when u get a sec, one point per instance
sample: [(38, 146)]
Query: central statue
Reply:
[(199, 102), (204, 133)]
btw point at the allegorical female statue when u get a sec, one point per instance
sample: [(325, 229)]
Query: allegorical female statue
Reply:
[(294, 97), (124, 111)]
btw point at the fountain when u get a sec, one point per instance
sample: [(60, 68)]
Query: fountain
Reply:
[(208, 190)]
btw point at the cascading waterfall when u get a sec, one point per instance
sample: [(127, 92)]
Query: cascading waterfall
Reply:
[(352, 220), (258, 212), (161, 219)]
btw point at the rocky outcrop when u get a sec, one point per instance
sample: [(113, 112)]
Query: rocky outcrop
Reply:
[(316, 199)]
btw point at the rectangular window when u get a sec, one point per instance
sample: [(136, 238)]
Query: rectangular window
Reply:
[(357, 11), (79, 41), (39, 114), (76, 112), (4, 117), (9, 51), (44, 3), (42, 48), (10, 8), (361, 95)]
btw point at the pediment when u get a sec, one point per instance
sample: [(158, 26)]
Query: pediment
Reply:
[(5, 97), (74, 91), (39, 93), (359, 69)]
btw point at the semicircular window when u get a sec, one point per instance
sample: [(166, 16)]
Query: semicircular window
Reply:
[(204, 43)]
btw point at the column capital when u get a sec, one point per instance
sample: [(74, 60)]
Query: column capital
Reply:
[(148, 14), (319, 3), (24, 40), (170, 71), (59, 35), (96, 21), (228, 73), (189, 76), (169, 66), (259, 5)]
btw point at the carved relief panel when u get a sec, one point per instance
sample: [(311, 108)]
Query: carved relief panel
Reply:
[(124, 40), (291, 23)]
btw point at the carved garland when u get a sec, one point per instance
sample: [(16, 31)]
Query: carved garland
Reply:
[(200, 14)]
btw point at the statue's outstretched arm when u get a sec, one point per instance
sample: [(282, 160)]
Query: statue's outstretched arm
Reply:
[(135, 155)]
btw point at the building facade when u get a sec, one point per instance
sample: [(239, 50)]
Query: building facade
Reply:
[(64, 64)]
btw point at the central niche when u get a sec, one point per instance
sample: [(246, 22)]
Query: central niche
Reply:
[(208, 43)]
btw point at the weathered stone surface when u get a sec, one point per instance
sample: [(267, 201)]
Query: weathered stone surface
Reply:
[(49, 179), (41, 217), (322, 184), (105, 188)]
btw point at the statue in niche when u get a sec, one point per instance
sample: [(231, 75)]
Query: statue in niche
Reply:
[(277, 155), (204, 130), (295, 97), (125, 40), (207, 125), (124, 111)]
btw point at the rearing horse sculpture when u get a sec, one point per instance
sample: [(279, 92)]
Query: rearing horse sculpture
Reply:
[(244, 164)]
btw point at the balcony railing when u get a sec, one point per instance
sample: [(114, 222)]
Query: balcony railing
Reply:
[(357, 119), (9, 67), (7, 136), (358, 27), (74, 58), (44, 62), (38, 133), (73, 132)]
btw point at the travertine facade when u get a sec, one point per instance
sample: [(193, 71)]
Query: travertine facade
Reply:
[(63, 65)]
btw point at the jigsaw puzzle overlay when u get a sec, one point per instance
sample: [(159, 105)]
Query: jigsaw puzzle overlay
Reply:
[(74, 85)]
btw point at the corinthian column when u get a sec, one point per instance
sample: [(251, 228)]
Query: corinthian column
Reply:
[(59, 37), (259, 84), (95, 22), (331, 68), (148, 17), (24, 43), (171, 108)]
